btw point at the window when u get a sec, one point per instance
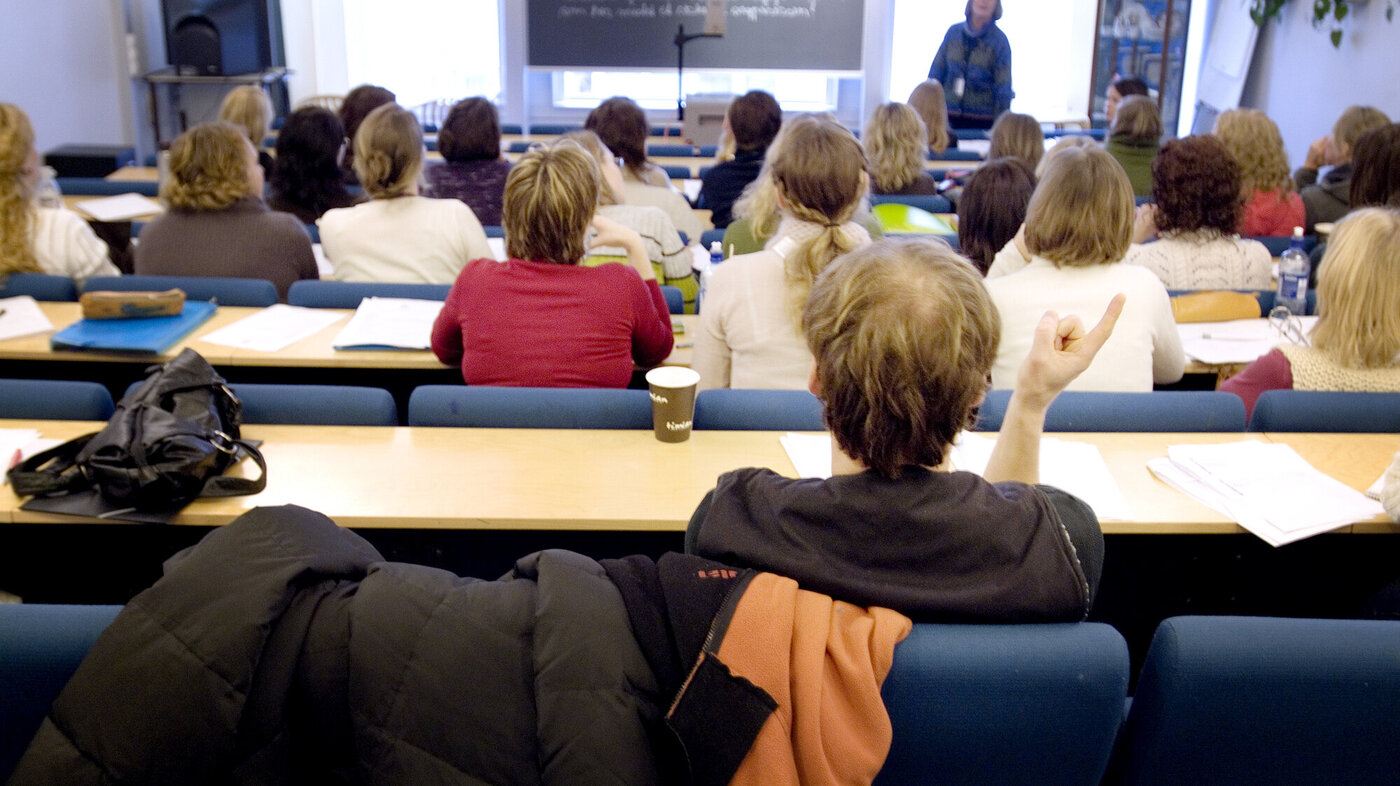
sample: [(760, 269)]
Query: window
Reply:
[(797, 91), (425, 50)]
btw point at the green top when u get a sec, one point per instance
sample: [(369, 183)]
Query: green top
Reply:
[(739, 237), (1136, 157)]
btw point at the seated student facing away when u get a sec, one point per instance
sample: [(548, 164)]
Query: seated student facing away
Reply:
[(540, 319), (306, 178), (249, 108), (1329, 199), (1356, 341), (904, 335), (398, 235), (1271, 206), (474, 170), (217, 223), (895, 143), (749, 332), (1197, 205), (36, 239), (1078, 230), (752, 120)]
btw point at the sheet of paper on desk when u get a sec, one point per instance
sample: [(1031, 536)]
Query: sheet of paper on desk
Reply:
[(122, 207), (16, 443), (1076, 467), (275, 327), (390, 323), (21, 316), (691, 187), (1267, 488), (1238, 341), (810, 453)]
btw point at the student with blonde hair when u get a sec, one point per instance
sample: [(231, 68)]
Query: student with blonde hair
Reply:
[(1134, 138), (398, 235), (1015, 134), (749, 319), (670, 256), (1271, 207), (1355, 344), (895, 143), (903, 334), (927, 99), (1078, 228), (540, 319), (249, 108), (357, 105), (36, 239), (216, 223), (1329, 199)]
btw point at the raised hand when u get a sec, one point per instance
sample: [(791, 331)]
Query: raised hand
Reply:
[(1060, 351)]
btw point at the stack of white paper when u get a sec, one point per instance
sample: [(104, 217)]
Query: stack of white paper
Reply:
[(274, 328), (122, 207), (1237, 341), (1076, 467), (21, 316), (1266, 488), (390, 323)]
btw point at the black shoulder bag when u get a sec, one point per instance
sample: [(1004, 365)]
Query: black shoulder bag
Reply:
[(168, 443)]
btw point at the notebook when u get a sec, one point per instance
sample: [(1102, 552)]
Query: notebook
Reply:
[(150, 335)]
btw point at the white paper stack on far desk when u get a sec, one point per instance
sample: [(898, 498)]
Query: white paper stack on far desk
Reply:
[(21, 316), (1266, 488), (390, 323), (1237, 341), (275, 327), (122, 207), (1076, 467)]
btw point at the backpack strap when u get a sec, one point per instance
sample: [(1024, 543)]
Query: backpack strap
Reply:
[(62, 476), (225, 486)]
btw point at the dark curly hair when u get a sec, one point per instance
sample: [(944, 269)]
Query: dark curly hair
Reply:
[(622, 125), (1196, 185), (306, 174)]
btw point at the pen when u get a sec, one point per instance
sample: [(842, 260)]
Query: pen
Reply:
[(1218, 337)]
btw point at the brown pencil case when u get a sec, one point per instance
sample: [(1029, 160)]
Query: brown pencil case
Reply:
[(132, 305)]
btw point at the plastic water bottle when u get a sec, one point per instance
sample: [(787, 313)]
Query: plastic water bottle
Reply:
[(1293, 269), (46, 193), (716, 257)]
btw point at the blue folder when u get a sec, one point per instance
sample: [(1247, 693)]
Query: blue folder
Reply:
[(149, 335)]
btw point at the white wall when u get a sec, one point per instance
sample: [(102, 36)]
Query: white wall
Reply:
[(1300, 81), (64, 63)]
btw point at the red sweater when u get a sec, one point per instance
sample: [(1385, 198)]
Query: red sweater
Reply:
[(538, 324), (1269, 214)]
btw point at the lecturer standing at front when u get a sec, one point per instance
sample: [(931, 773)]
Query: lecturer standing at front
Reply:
[(974, 66)]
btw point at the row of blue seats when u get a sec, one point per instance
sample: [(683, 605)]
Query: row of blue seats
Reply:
[(734, 410), (1239, 700)]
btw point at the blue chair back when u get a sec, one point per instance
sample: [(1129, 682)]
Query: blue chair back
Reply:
[(316, 405), (255, 292), (1162, 410), (41, 646), (954, 154), (42, 399), (348, 294), (671, 150), (494, 230), (933, 203), (40, 286), (492, 407), (96, 186), (1005, 704), (1278, 245), (1326, 411), (758, 410), (711, 236), (677, 172), (1261, 700), (675, 299)]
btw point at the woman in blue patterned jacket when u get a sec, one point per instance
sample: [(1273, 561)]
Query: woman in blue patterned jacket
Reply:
[(974, 66)]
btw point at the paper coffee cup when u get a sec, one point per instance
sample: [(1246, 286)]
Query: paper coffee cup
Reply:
[(672, 401)]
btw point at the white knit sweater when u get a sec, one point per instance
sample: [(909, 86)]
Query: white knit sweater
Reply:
[(64, 245)]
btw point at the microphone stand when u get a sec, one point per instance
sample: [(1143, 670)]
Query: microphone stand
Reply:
[(681, 40)]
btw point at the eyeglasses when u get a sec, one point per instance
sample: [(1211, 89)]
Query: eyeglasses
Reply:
[(1288, 326)]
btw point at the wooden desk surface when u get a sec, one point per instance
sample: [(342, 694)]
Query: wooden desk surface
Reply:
[(314, 351), (532, 479)]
